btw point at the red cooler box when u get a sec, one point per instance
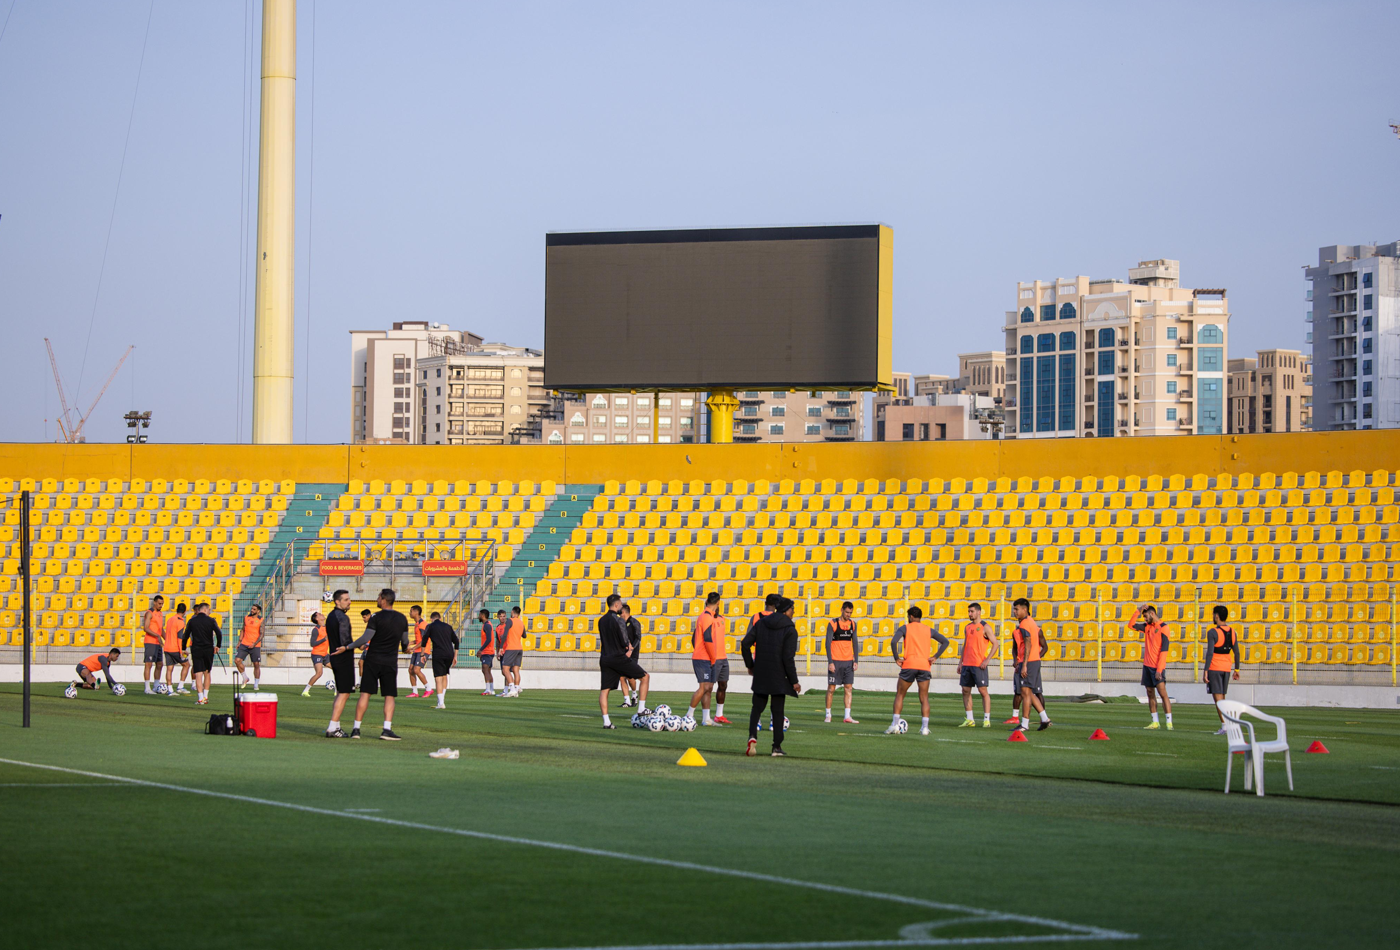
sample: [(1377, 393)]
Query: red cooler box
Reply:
[(258, 713)]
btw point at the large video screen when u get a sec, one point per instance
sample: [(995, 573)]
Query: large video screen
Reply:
[(741, 308)]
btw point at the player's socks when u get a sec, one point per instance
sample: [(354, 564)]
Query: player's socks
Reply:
[(986, 719), (607, 720), (1154, 717), (719, 710), (388, 726), (333, 726), (690, 713), (969, 714), (894, 720), (307, 690), (828, 716), (1044, 716), (357, 725), (923, 724), (708, 721), (1025, 723)]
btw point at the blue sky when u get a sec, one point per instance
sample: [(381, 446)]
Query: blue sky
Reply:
[(1002, 142)]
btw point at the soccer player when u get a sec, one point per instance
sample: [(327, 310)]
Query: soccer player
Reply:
[(88, 669), (153, 625), (916, 666), (768, 650), (339, 641), (486, 652), (616, 660), (320, 650), (842, 658), (1030, 644), (633, 629), (173, 655), (385, 634), (442, 643), (1155, 640), (702, 657), (721, 652), (415, 656), (500, 642), (250, 645), (979, 644), (512, 648), (201, 637), (364, 621), (1220, 644)]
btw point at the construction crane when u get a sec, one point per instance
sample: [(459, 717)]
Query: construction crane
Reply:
[(71, 431)]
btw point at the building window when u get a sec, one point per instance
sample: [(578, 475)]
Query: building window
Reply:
[(687, 422), (1027, 316), (1066, 340), (1365, 301), (1105, 409), (687, 402), (556, 437), (1027, 345), (515, 391), (779, 395), (1067, 311), (621, 402), (600, 437), (620, 437), (1366, 389), (1171, 359), (1045, 343), (1047, 311), (644, 402), (1366, 280), (1366, 410), (600, 420), (748, 428), (1210, 333), (1106, 359), (775, 428), (1106, 336), (575, 436), (1045, 391), (1365, 367), (814, 429), (620, 421), (1171, 333), (778, 410), (644, 422), (907, 430), (1027, 396), (600, 401), (1208, 407), (923, 431), (642, 438), (1066, 389), (664, 402), (841, 430), (1171, 387), (1366, 345), (814, 410), (1209, 359), (1366, 322), (577, 420)]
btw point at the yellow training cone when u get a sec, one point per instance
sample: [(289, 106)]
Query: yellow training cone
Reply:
[(692, 757)]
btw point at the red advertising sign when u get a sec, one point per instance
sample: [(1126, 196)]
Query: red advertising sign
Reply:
[(342, 567), (444, 568)]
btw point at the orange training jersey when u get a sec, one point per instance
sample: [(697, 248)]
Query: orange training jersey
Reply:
[(1027, 637), (252, 631), (1152, 653), (917, 637), (155, 628), (421, 644), (718, 648), (324, 647), (515, 629), (975, 644), (843, 634), (93, 663), (173, 628), (700, 649), (1222, 658)]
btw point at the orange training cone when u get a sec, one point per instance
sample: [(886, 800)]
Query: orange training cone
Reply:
[(1016, 736), (1317, 746), (1099, 734)]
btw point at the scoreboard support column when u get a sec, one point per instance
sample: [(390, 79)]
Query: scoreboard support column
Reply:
[(722, 405)]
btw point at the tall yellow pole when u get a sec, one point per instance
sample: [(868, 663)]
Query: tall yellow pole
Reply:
[(722, 405), (272, 314)]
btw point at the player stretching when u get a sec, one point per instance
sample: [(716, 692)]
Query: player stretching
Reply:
[(153, 623), (512, 649), (174, 657), (702, 657), (486, 652), (916, 666), (1220, 644), (320, 651), (633, 628), (88, 669), (415, 656), (250, 645), (615, 659), (1030, 645), (979, 643), (1155, 640), (842, 658)]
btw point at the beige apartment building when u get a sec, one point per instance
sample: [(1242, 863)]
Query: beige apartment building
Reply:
[(1142, 356), (621, 418), (487, 394), (800, 416), (1271, 392), (383, 406)]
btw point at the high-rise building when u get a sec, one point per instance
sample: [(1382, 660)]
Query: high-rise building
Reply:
[(1355, 320), (800, 416), (1269, 392), (383, 407), (1089, 357), (484, 394)]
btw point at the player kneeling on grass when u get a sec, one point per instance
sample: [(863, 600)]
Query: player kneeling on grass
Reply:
[(320, 651), (1220, 644), (88, 669), (616, 661), (916, 666), (444, 644), (979, 643), (1155, 640), (1030, 646), (385, 635), (842, 658)]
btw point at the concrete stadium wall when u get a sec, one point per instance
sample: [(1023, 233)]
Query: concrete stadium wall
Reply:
[(1185, 455)]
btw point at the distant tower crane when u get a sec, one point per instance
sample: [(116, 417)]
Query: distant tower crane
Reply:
[(72, 431)]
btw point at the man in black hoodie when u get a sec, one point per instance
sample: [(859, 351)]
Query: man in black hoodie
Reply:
[(774, 668), (446, 643)]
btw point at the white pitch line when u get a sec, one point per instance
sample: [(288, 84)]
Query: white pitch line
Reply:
[(1387, 768), (1169, 754), (852, 944), (62, 784), (1077, 931)]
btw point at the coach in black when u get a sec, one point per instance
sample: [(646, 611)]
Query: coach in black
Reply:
[(769, 650), (339, 642), (445, 645), (616, 659), (386, 634), (201, 637)]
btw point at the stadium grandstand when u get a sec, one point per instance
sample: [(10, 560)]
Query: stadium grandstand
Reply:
[(1294, 533)]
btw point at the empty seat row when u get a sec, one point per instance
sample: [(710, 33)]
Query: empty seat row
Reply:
[(140, 486)]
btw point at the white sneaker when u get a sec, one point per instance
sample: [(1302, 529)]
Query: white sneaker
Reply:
[(892, 730), (441, 705), (1220, 731), (923, 731), (444, 753), (150, 692)]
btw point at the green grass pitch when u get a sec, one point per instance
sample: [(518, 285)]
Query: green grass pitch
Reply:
[(550, 832)]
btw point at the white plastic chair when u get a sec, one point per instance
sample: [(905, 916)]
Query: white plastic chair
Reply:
[(1236, 726)]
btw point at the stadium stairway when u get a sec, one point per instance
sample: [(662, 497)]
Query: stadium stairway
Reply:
[(306, 513), (543, 544)]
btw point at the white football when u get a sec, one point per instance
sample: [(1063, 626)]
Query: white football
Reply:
[(636, 721), (655, 723), (71, 692), (688, 724), (663, 710), (787, 723), (162, 689), (119, 689), (902, 726), (673, 723)]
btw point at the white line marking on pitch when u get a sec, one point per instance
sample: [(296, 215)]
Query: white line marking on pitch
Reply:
[(62, 784), (1076, 931), (1170, 754), (362, 811), (1388, 768)]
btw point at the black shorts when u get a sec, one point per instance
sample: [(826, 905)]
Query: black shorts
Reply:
[(972, 676), (915, 676), (486, 659), (614, 668), (201, 661), (1031, 679), (1218, 681), (1152, 677), (442, 665), (152, 653), (843, 675), (343, 668), (174, 659), (510, 658), (381, 675)]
